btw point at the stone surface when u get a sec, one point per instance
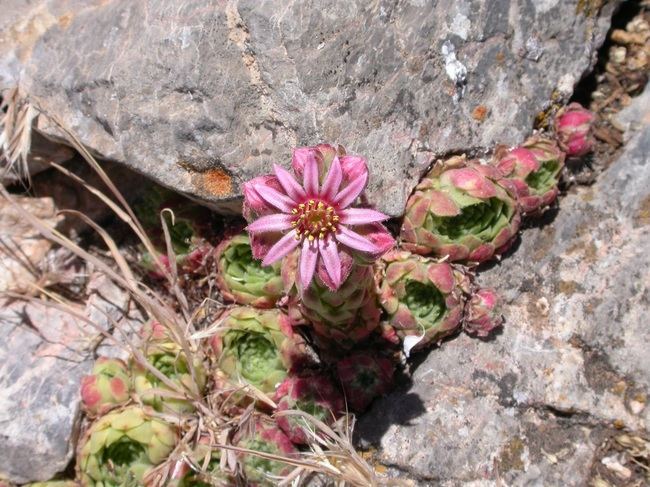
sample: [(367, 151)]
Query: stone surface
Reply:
[(532, 405), (202, 96), (44, 352), (22, 248)]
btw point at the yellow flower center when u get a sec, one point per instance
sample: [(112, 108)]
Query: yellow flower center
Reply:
[(314, 219)]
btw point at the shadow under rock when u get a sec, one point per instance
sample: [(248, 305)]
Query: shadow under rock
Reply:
[(375, 422)]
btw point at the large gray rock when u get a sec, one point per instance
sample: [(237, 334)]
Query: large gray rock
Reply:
[(201, 96), (22, 248), (532, 405), (44, 352)]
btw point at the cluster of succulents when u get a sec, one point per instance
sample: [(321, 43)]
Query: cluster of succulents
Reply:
[(320, 302)]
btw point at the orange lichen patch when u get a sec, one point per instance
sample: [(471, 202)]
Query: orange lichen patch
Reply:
[(64, 20), (479, 113), (215, 182), (500, 57), (642, 217), (28, 31)]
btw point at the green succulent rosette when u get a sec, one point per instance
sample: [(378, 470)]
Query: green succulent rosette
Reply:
[(168, 358), (190, 220), (121, 448), (242, 278), (107, 386), (258, 347), (266, 438), (421, 296), (460, 211), (52, 483), (347, 315)]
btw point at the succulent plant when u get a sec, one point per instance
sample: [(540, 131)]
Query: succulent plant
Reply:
[(421, 296), (168, 358), (364, 376), (266, 438), (482, 313), (346, 315), (258, 347), (242, 279), (51, 483), (315, 215), (190, 220), (458, 210), (108, 386), (532, 172), (314, 394), (573, 129), (121, 447)]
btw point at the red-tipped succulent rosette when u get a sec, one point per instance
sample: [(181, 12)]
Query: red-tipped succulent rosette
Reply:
[(108, 386), (241, 278), (314, 394), (364, 376), (316, 216), (267, 437), (531, 173), (573, 129), (422, 297), (482, 314), (459, 211)]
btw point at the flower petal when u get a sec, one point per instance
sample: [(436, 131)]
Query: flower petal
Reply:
[(310, 177), (271, 223), (354, 240), (330, 256), (353, 166), (333, 180), (352, 191), (361, 216), (281, 201), (308, 259), (281, 248), (289, 184)]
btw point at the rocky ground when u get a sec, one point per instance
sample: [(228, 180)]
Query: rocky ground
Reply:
[(558, 397)]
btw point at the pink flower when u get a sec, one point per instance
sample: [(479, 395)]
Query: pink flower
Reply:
[(315, 216)]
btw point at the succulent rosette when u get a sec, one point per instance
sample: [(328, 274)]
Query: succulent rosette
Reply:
[(364, 376), (421, 296), (121, 447), (51, 483), (108, 386), (314, 394), (459, 211), (573, 129), (242, 278), (482, 313), (266, 438), (168, 358), (190, 220), (317, 216), (346, 315), (532, 172), (259, 347)]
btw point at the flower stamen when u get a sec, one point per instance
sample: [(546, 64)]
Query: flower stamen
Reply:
[(314, 220)]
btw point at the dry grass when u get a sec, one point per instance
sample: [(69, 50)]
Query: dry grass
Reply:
[(16, 118), (330, 450)]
